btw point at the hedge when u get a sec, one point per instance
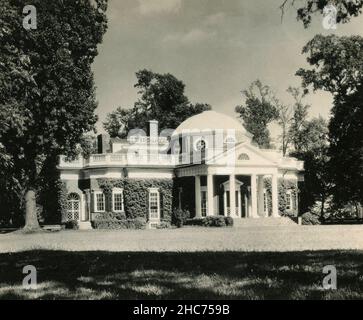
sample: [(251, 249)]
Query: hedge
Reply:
[(212, 221), (137, 223)]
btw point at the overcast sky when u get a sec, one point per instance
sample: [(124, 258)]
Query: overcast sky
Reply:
[(217, 48)]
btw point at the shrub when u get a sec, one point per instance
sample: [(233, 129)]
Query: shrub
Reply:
[(309, 218), (212, 221), (137, 223), (163, 225), (72, 224), (229, 221), (179, 217)]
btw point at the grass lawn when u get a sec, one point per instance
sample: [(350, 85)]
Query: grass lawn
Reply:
[(181, 275)]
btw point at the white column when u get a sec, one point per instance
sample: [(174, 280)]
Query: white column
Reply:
[(232, 194), (239, 203), (210, 194), (225, 202), (253, 197), (198, 204), (275, 196), (247, 205), (260, 196)]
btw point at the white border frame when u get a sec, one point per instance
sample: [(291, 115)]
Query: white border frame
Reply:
[(118, 191), (154, 190), (95, 201)]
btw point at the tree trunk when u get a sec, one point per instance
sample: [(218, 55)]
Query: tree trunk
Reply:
[(31, 219)]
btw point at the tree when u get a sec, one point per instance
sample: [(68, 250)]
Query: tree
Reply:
[(259, 110), (298, 121), (346, 9), (284, 120), (338, 69), (314, 153), (346, 148), (117, 122), (47, 98), (161, 97), (337, 64)]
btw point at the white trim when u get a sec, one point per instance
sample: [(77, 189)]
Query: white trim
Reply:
[(155, 191), (95, 199), (117, 191)]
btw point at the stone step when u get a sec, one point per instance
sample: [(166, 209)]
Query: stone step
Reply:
[(85, 225), (263, 221)]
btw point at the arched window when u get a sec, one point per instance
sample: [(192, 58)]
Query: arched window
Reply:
[(243, 156), (73, 206)]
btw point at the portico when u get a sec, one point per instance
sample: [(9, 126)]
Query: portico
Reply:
[(241, 194)]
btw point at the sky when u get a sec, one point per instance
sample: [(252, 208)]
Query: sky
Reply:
[(217, 48)]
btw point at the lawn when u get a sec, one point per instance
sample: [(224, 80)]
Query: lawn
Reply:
[(181, 275)]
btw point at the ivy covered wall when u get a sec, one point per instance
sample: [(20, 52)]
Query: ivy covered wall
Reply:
[(284, 185), (136, 196)]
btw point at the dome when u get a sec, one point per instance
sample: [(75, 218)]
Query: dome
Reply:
[(210, 120)]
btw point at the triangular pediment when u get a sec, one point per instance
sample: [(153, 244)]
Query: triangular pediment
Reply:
[(244, 154)]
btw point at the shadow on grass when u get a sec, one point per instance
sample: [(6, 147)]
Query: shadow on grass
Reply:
[(173, 275)]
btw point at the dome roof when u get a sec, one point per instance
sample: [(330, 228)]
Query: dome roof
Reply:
[(210, 120)]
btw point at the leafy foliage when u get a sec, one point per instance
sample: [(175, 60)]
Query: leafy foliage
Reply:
[(47, 98), (338, 69), (346, 9), (346, 148), (162, 98), (314, 153), (337, 64), (259, 110), (211, 221), (136, 196)]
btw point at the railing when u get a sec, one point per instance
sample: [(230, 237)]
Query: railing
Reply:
[(110, 159)]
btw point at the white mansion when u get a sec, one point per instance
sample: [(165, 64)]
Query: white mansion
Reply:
[(214, 167)]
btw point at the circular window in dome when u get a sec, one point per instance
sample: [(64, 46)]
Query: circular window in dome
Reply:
[(200, 145)]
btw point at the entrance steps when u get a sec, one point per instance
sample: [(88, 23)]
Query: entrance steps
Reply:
[(263, 222), (85, 225)]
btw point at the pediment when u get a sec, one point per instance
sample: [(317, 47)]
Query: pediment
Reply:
[(244, 155)]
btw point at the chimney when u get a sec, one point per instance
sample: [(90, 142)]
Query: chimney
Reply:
[(103, 143), (153, 130)]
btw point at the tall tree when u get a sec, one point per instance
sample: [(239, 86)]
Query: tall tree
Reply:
[(346, 9), (47, 98), (259, 110), (314, 152), (346, 148), (284, 121), (299, 119), (161, 97), (338, 69)]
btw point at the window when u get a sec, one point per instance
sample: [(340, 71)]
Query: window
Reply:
[(288, 200), (154, 204), (100, 201), (117, 200), (73, 207), (243, 156), (200, 145)]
